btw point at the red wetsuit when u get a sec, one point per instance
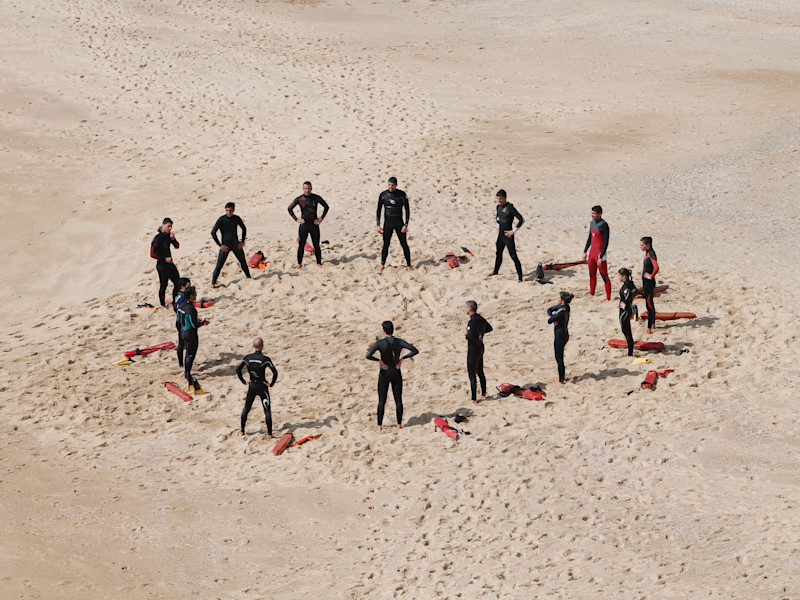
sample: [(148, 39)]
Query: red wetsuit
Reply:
[(596, 245)]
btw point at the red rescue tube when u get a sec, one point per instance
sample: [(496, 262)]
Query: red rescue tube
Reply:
[(559, 266), (650, 380), (172, 387), (308, 438), (656, 290), (255, 259), (150, 349), (636, 345), (283, 443), (670, 316), (452, 260), (441, 423)]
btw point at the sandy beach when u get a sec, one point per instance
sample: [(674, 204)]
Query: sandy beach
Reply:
[(680, 118)]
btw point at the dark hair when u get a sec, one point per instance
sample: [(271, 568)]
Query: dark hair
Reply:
[(230, 205), (567, 297), (183, 281), (307, 183), (189, 292), (624, 271), (472, 305), (598, 209), (166, 220), (388, 327), (393, 180), (647, 240), (501, 193)]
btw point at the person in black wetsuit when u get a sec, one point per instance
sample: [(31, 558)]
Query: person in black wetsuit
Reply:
[(391, 362), (179, 299), (229, 224), (167, 271), (627, 293), (559, 317), (476, 328), (506, 213), (393, 201), (257, 365), (308, 221), (190, 323), (649, 270)]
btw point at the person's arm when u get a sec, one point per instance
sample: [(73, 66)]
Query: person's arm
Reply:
[(407, 206), (555, 313), (378, 214), (214, 232), (471, 333), (239, 369), (605, 232), (324, 206), (655, 265), (412, 351), (520, 222), (372, 350), (154, 249), (588, 243), (244, 229), (274, 372), (291, 208), (487, 327)]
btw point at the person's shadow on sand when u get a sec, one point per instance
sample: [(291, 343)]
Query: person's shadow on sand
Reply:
[(428, 417)]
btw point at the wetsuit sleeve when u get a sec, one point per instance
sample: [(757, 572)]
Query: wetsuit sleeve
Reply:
[(154, 249), (520, 218), (214, 232), (655, 264), (378, 214), (372, 350), (407, 206), (175, 243), (325, 206), (274, 372), (241, 224), (294, 203), (605, 232), (412, 351), (472, 334), (487, 326), (555, 313), (239, 369), (588, 241)]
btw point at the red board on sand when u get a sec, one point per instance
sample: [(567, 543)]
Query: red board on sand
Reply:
[(656, 290), (283, 443), (510, 388), (177, 391), (255, 259), (636, 345), (150, 349), (441, 423), (559, 266), (650, 380), (308, 438), (669, 316)]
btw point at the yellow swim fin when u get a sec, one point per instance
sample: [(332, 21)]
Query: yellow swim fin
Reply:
[(124, 361), (642, 361)]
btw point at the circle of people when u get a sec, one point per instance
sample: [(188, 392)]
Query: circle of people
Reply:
[(394, 204)]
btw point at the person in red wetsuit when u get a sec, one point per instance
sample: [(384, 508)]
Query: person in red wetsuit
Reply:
[(649, 270), (596, 246)]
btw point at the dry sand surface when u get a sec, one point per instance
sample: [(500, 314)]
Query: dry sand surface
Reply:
[(679, 117)]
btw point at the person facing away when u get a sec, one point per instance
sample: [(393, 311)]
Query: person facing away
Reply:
[(160, 250), (559, 318), (597, 246), (190, 323), (476, 328), (257, 364), (308, 222), (393, 202), (649, 271), (506, 213), (627, 293), (228, 225), (179, 300), (390, 348)]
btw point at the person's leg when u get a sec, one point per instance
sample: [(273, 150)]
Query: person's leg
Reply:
[(558, 345), (403, 237), (239, 253), (387, 240), (192, 344), (592, 273), (498, 257), (175, 277), (383, 392), (179, 349), (625, 324), (397, 392), (648, 291), (472, 373), (512, 252), (481, 375), (603, 268), (265, 402), (221, 258), (302, 236), (315, 236), (163, 280), (248, 404)]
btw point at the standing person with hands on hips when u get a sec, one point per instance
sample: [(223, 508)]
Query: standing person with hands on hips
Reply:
[(229, 225), (391, 364), (308, 222), (257, 365), (476, 328), (649, 271), (393, 202), (506, 213)]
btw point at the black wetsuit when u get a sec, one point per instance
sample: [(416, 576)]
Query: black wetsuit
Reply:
[(308, 212), (390, 348), (167, 271), (187, 314), (228, 226), (649, 285), (476, 328), (257, 364), (626, 295), (559, 314), (505, 222), (393, 204), (180, 299)]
